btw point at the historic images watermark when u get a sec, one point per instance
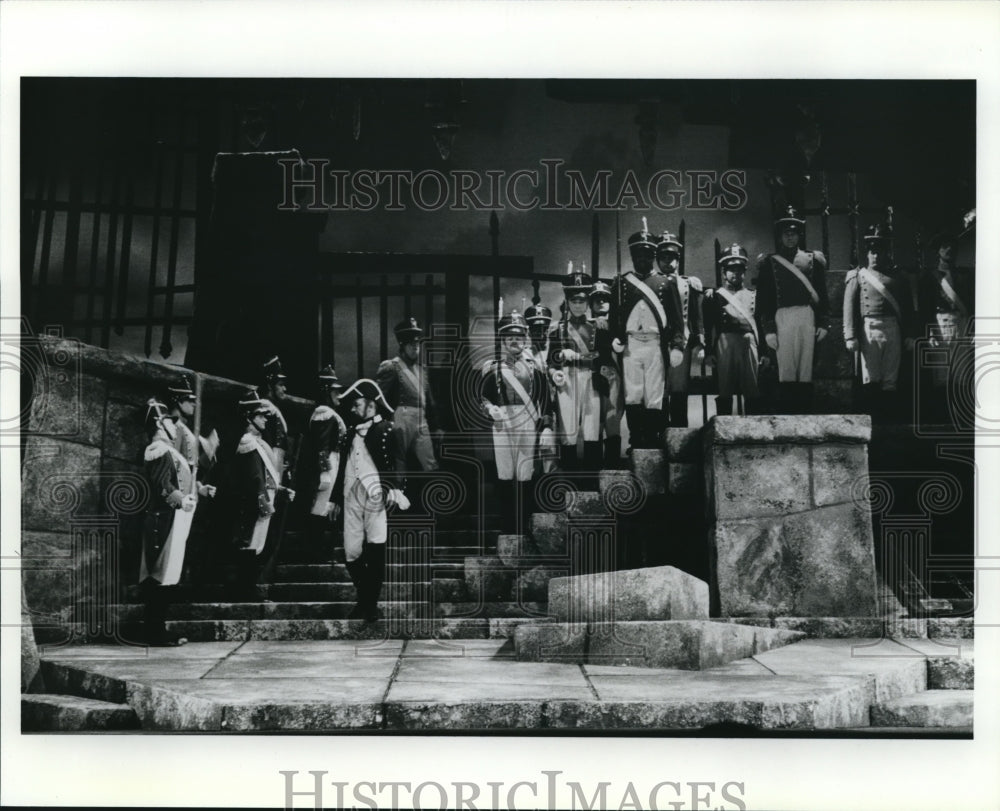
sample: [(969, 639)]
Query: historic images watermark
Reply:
[(312, 185), (545, 791)]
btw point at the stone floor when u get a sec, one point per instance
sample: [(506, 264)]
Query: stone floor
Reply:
[(415, 685)]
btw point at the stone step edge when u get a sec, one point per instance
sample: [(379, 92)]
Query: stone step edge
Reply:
[(865, 627), (85, 713)]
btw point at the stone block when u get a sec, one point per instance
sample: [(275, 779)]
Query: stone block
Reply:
[(56, 713), (817, 563), (581, 503), (684, 445), (513, 549), (950, 673), (649, 465), (52, 564), (59, 479), (124, 430), (933, 708), (622, 491), (533, 584), (548, 531), (30, 664), (550, 642), (68, 403), (684, 479), (752, 481), (833, 396), (488, 579), (799, 429), (658, 593), (836, 472), (951, 628)]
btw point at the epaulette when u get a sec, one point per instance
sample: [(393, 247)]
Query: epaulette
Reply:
[(695, 283), (322, 413), (489, 366), (248, 444), (155, 450), (819, 255), (386, 364)]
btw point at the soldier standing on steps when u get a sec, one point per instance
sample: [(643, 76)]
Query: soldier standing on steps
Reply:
[(539, 319), (646, 327), (319, 462), (368, 483), (733, 334), (607, 375), (572, 354), (516, 398), (687, 290), (276, 430), (794, 308), (255, 482), (878, 321), (167, 523)]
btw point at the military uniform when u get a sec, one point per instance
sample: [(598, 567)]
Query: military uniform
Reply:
[(947, 298), (646, 326), (607, 375), (687, 291), (407, 391), (732, 330), (793, 304), (276, 433), (539, 319), (367, 483)]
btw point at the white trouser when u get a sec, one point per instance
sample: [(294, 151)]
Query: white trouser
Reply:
[(579, 407), (364, 516), (411, 428), (514, 438), (881, 351), (644, 372), (796, 343)]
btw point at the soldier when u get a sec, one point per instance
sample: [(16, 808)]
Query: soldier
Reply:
[(572, 355), (167, 523), (367, 484), (255, 482), (276, 431), (323, 445), (516, 398), (688, 291), (946, 298), (407, 390), (646, 326), (732, 331), (794, 309), (877, 318), (607, 376), (539, 319)]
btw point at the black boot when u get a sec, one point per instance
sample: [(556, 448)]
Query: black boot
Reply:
[(634, 415), (375, 577), (525, 506), (247, 569), (724, 406), (568, 458), (612, 452), (592, 456), (656, 427), (806, 398), (157, 599), (356, 571), (506, 505), (679, 410)]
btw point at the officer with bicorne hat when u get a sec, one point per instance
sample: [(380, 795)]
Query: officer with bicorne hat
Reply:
[(572, 352), (794, 309), (878, 320), (407, 390), (646, 327), (733, 333), (366, 485), (687, 290)]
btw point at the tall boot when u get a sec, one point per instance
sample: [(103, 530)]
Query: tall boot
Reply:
[(356, 571), (634, 415), (592, 456), (807, 398), (526, 506), (786, 399), (656, 426), (568, 458), (506, 505), (375, 577), (612, 452), (679, 410), (724, 406), (247, 566)]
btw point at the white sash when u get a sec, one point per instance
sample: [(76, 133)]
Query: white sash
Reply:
[(733, 302), (651, 298), (798, 275), (268, 462), (581, 344), (515, 384), (874, 281), (949, 291), (414, 380)]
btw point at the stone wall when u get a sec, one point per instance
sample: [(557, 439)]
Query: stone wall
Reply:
[(785, 534), (83, 492)]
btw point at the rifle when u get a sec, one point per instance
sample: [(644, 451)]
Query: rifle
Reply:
[(618, 272)]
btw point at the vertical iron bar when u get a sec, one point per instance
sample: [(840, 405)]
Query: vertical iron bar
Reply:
[(95, 244), (383, 319), (428, 302), (72, 248), (406, 296), (43, 262), (595, 247), (853, 215), (29, 247), (175, 225), (360, 318), (681, 233), (154, 243), (494, 235), (109, 263), (123, 266), (824, 213)]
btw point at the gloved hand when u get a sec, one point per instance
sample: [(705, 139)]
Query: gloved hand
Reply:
[(617, 346), (206, 490), (601, 322), (558, 378), (771, 339), (398, 497), (676, 358), (851, 344), (289, 493), (698, 355), (325, 480), (176, 499), (568, 355), (189, 502), (496, 413), (333, 510), (820, 333), (264, 507)]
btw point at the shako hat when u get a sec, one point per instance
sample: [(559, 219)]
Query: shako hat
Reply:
[(251, 404), (669, 243), (735, 254), (272, 370), (408, 330), (576, 281), (180, 392), (328, 378), (538, 314), (642, 240), (790, 220), (601, 289)]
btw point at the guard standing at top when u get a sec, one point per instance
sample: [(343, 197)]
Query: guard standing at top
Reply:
[(607, 375), (403, 380), (733, 333), (794, 309), (539, 320), (878, 320), (275, 432), (572, 354), (646, 327), (688, 291)]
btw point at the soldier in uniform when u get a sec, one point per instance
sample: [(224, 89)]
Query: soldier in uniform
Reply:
[(407, 390), (539, 320), (607, 375), (255, 482), (877, 319), (946, 299), (323, 445), (733, 334), (687, 290), (276, 430), (646, 327), (794, 309), (173, 497), (516, 399), (572, 354), (367, 484)]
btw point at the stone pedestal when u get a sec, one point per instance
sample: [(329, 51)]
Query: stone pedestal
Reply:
[(650, 467), (786, 536)]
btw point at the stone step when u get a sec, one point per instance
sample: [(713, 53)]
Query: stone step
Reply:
[(43, 712), (337, 573), (276, 610), (328, 553), (678, 644), (944, 628), (932, 708), (343, 592)]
